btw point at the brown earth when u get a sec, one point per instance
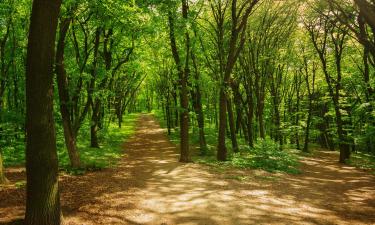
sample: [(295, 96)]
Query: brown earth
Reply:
[(149, 186)]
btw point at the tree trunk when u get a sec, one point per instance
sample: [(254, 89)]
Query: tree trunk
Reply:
[(278, 134), (343, 145), (70, 136), (168, 115), (176, 118), (231, 126), (222, 149), (95, 125), (183, 74), (262, 131), (307, 132), (95, 103), (184, 122), (297, 116), (197, 104), (42, 196)]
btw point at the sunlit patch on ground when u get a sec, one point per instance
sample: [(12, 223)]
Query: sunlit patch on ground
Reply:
[(149, 186)]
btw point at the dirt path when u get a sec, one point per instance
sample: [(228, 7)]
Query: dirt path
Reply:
[(150, 187)]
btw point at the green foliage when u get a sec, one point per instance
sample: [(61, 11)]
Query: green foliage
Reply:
[(363, 161), (111, 139), (20, 184), (93, 159), (268, 156)]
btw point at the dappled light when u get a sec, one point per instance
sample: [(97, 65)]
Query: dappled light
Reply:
[(187, 112), (149, 186)]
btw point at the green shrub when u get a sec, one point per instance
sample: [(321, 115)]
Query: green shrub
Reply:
[(268, 156)]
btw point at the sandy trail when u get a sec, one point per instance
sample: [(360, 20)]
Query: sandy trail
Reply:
[(149, 186)]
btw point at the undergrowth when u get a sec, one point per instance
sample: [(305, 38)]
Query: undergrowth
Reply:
[(363, 161), (266, 154), (110, 137)]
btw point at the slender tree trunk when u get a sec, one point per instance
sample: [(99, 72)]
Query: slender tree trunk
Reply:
[(70, 136), (307, 131), (168, 115), (297, 117), (183, 84), (95, 103), (232, 126), (42, 196), (222, 149), (95, 125), (278, 134), (197, 104), (262, 131), (184, 122)]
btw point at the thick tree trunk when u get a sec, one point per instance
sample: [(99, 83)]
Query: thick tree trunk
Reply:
[(222, 149), (231, 126), (70, 136), (42, 196)]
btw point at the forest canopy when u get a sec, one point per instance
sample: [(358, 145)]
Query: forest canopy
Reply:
[(237, 78)]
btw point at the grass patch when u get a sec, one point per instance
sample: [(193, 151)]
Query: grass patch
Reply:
[(110, 138), (266, 155), (110, 151), (363, 161)]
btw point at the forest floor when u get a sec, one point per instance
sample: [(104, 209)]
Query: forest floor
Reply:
[(149, 186)]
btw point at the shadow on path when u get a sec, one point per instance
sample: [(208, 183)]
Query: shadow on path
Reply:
[(149, 186)]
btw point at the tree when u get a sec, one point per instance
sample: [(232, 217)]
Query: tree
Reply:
[(323, 32), (62, 84), (183, 75), (229, 45), (43, 198), (309, 78)]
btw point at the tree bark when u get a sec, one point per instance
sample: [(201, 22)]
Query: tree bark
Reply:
[(42, 195), (222, 149), (197, 104), (239, 21), (183, 73), (95, 104), (62, 83), (232, 126), (311, 93), (94, 128)]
